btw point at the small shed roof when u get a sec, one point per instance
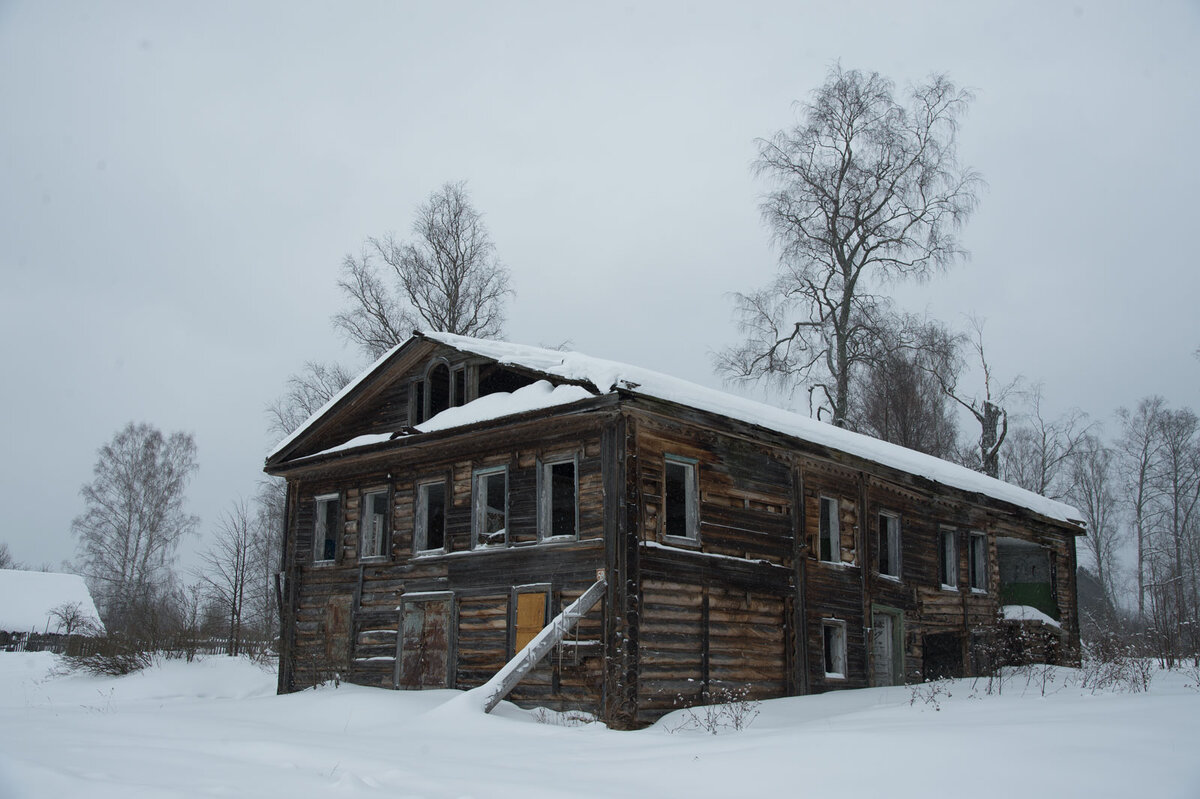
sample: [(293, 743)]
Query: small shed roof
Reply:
[(27, 599)]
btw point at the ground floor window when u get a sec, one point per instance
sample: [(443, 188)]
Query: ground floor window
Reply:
[(977, 562), (833, 633), (948, 559)]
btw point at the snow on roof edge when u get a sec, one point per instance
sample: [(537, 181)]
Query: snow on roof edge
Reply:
[(606, 375)]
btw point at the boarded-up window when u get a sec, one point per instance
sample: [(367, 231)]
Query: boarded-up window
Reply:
[(948, 559), (325, 533), (424, 658), (373, 516), (889, 545), (679, 500), (490, 508), (431, 517), (558, 506), (530, 617), (831, 543)]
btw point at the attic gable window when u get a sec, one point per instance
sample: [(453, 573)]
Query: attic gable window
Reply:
[(442, 387), (328, 514)]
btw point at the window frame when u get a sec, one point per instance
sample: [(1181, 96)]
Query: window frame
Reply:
[(948, 559), (385, 533), (691, 500), (893, 545), (977, 562), (320, 521), (513, 607), (421, 517), (478, 506), (834, 532), (545, 498), (838, 628)]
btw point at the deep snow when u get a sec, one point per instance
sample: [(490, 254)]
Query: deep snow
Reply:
[(215, 728)]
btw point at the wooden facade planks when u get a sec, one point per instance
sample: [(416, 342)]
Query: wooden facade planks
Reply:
[(745, 600)]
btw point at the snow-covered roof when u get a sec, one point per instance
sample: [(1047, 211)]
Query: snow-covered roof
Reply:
[(27, 599), (607, 376)]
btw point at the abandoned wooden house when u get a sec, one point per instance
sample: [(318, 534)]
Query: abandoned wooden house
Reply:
[(457, 496)]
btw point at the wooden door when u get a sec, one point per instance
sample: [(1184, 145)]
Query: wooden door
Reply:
[(531, 618), (883, 637), (425, 644)]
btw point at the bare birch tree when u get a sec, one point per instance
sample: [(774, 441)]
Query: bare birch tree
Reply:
[(134, 519), (446, 278), (866, 190), (1040, 450), (1094, 491), (1138, 447), (225, 574), (305, 394)]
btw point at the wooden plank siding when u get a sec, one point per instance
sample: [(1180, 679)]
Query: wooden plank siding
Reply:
[(741, 600)]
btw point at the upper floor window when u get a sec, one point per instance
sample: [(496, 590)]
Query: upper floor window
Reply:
[(680, 506), (558, 503), (889, 545), (373, 517), (948, 559), (831, 541), (489, 509), (326, 537), (977, 562), (430, 529)]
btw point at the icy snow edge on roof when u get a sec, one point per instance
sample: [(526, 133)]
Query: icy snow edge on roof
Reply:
[(26, 599), (607, 375)]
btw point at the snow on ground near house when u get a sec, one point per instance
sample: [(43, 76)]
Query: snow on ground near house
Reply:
[(215, 728), (26, 599), (1028, 613)]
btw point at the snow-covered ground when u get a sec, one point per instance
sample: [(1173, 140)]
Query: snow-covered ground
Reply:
[(216, 728)]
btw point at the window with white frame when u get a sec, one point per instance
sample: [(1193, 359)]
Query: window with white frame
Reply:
[(889, 545), (833, 634), (326, 536), (831, 541), (680, 507), (948, 559), (977, 562), (429, 532), (372, 523), (489, 508), (558, 503)]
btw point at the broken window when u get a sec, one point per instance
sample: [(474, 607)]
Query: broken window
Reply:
[(831, 544), (437, 386), (948, 560), (680, 509), (889, 545), (490, 507), (977, 562), (373, 515), (458, 380), (558, 505), (430, 529), (325, 530), (833, 633)]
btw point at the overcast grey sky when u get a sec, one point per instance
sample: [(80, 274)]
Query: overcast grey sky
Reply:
[(179, 183)]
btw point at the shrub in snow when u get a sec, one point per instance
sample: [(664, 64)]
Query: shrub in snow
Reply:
[(717, 709)]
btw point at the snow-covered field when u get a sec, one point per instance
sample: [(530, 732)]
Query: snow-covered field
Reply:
[(216, 728)]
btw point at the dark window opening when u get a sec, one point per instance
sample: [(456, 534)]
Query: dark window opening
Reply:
[(494, 379), (889, 545), (459, 379), (431, 524), (835, 649), (559, 487), (491, 511), (325, 537), (439, 389), (417, 413), (831, 545), (678, 500)]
